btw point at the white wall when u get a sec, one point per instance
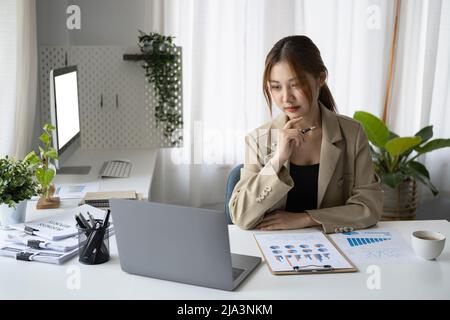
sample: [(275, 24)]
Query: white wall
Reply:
[(103, 22)]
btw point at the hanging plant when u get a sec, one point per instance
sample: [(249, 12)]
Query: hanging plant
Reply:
[(163, 71)]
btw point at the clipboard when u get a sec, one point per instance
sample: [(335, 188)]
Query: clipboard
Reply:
[(341, 263)]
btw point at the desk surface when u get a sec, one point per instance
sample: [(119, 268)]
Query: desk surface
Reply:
[(143, 166), (422, 280)]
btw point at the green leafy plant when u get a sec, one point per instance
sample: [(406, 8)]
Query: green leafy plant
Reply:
[(42, 166), (163, 70), (395, 157), (16, 181)]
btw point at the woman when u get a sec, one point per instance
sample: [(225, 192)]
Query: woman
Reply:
[(309, 166)]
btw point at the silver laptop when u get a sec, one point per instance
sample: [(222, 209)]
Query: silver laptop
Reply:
[(176, 243)]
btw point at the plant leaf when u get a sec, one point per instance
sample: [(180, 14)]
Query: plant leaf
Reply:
[(40, 176), (418, 171), (48, 127), (433, 145), (45, 138), (398, 146), (376, 130), (31, 158), (52, 154), (392, 135), (393, 179), (419, 168), (48, 176), (425, 133)]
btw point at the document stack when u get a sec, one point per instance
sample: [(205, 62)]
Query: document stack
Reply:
[(101, 199), (51, 240)]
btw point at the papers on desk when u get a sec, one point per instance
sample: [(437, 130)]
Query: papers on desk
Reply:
[(55, 239), (301, 252), (49, 228), (42, 255), (375, 246), (59, 226), (62, 245), (75, 191)]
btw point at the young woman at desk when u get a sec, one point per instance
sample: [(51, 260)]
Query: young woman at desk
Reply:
[(309, 166)]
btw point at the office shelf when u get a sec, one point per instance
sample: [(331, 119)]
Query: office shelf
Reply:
[(142, 56)]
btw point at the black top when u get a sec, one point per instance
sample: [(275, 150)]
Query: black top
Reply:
[(303, 195)]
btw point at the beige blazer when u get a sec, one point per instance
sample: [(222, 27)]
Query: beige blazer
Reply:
[(349, 193)]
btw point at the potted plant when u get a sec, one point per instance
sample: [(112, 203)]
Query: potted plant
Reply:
[(394, 160), (44, 169), (163, 71), (16, 187)]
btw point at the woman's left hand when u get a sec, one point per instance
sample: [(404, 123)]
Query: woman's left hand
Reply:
[(283, 220)]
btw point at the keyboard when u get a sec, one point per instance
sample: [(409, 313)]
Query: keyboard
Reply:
[(115, 169)]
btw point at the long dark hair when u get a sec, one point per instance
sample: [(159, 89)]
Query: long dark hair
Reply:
[(302, 55)]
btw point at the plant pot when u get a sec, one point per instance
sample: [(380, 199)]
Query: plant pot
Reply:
[(10, 216), (400, 203), (49, 202)]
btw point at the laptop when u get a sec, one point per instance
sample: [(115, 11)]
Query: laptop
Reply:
[(176, 243)]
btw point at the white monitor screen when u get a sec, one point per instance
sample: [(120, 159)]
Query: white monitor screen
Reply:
[(67, 113)]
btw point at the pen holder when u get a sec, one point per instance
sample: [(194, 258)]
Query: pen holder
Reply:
[(93, 244)]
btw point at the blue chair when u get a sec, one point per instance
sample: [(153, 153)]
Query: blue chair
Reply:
[(233, 177)]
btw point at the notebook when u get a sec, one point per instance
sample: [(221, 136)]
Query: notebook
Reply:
[(101, 199)]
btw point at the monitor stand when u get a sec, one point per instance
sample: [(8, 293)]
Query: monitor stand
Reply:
[(83, 170)]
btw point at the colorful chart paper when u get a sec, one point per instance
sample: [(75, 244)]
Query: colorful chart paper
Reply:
[(312, 251)]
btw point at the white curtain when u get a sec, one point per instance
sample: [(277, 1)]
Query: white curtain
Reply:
[(421, 91), (224, 46), (18, 76), (7, 74)]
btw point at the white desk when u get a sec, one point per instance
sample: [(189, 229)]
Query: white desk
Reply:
[(143, 161), (423, 280)]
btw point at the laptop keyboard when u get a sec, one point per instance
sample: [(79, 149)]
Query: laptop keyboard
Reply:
[(237, 272)]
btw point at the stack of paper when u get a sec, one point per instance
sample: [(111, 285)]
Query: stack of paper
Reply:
[(53, 240), (101, 199)]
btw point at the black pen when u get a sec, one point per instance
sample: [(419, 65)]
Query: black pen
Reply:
[(91, 220), (105, 223), (80, 222), (85, 223), (305, 130)]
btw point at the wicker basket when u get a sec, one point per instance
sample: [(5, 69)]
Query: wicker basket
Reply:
[(401, 203)]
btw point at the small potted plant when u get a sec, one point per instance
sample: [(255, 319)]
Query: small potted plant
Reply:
[(394, 160), (16, 187), (44, 169)]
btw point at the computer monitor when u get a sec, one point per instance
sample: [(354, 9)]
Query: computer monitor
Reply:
[(65, 117)]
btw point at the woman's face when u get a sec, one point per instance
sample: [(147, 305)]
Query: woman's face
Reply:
[(287, 92)]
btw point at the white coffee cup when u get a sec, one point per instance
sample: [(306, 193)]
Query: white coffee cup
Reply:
[(427, 244)]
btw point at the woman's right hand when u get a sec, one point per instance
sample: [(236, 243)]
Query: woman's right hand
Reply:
[(288, 139)]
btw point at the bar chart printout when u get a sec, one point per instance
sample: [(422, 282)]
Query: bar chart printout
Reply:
[(374, 246), (309, 250), (354, 242)]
